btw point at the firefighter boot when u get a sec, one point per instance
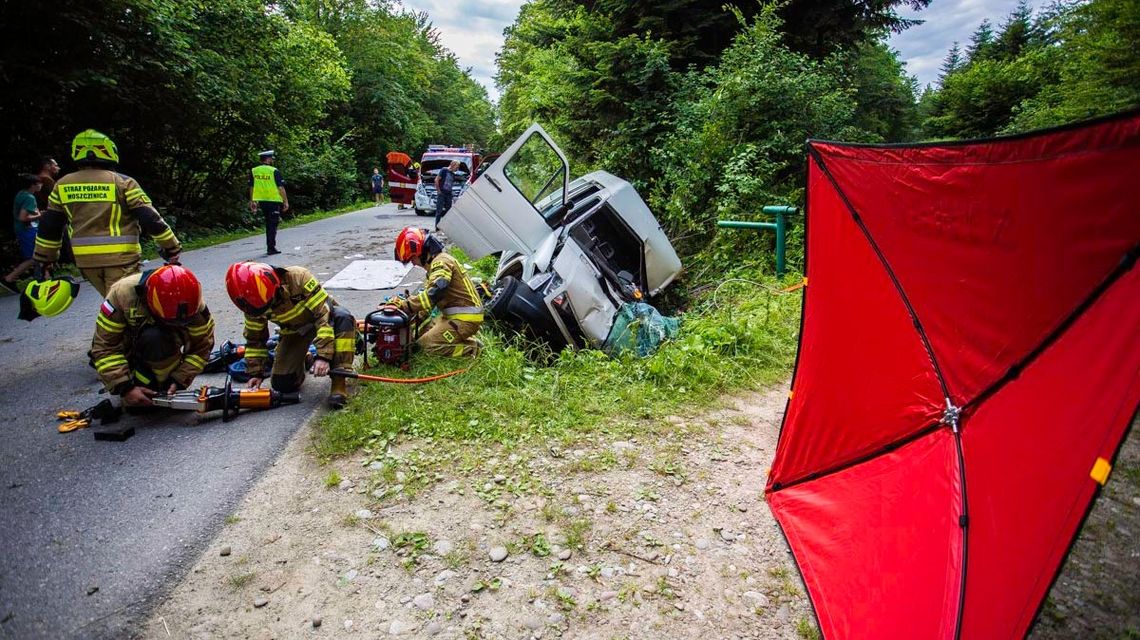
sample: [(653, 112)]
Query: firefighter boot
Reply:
[(338, 393)]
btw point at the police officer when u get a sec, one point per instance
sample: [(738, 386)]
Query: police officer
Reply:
[(107, 212), (448, 287), (267, 191), (153, 334), (293, 299)]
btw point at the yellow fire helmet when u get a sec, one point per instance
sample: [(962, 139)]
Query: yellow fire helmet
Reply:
[(50, 297), (92, 145)]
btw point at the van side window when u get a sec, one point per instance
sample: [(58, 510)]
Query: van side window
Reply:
[(536, 171)]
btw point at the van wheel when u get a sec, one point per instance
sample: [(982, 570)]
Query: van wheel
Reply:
[(422, 212), (501, 297)]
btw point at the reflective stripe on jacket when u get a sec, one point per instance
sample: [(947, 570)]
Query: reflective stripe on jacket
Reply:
[(448, 287), (106, 212), (301, 302), (123, 314)]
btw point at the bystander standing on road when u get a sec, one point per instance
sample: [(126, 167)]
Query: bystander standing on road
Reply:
[(444, 183), (267, 191), (377, 185), (25, 214), (47, 170)]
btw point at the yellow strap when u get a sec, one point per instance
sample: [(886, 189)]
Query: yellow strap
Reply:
[(202, 330), (256, 353), (195, 361), (317, 300), (108, 325), (164, 236), (254, 325), (87, 250), (325, 332), (467, 317), (1100, 471), (50, 244), (141, 378), (110, 362), (344, 345), (290, 314), (116, 218)]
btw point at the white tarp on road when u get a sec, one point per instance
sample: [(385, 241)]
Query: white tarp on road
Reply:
[(368, 275)]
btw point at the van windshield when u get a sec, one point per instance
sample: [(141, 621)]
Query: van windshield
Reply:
[(429, 168)]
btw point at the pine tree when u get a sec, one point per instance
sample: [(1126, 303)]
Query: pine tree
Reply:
[(981, 42), (1015, 33), (952, 63)]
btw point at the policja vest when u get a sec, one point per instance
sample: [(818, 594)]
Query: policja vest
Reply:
[(265, 184)]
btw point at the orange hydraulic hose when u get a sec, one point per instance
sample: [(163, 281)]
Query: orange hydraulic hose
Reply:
[(360, 376)]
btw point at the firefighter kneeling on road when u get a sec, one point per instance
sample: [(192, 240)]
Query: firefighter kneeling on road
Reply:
[(447, 287), (153, 334), (293, 299)]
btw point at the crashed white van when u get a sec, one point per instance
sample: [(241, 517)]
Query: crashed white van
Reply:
[(571, 252)]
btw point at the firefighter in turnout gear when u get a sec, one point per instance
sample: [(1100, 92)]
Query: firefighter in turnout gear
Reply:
[(292, 298), (153, 334), (106, 213), (448, 287)]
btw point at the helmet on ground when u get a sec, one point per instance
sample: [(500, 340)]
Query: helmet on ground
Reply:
[(51, 297), (252, 286), (92, 146), (414, 242), (173, 294)]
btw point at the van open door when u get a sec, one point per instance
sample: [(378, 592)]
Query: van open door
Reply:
[(507, 207)]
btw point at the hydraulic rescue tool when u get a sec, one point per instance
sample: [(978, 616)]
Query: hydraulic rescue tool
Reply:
[(225, 399)]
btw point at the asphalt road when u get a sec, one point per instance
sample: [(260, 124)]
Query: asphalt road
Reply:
[(94, 532)]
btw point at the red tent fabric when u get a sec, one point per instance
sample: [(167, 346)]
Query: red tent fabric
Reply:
[(969, 365)]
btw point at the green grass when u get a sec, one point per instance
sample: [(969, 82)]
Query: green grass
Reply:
[(742, 338), (806, 630)]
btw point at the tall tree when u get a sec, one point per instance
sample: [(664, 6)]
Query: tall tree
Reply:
[(981, 41), (1016, 32), (951, 63), (821, 27)]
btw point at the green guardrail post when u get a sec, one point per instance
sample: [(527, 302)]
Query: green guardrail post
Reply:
[(780, 226)]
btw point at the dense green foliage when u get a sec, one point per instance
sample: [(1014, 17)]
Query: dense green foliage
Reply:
[(191, 89), (706, 109), (1071, 61), (706, 116)]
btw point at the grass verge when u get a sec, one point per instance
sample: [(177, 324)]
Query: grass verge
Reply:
[(733, 338)]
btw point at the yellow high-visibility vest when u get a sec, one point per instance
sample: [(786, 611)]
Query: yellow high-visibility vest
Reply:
[(265, 184)]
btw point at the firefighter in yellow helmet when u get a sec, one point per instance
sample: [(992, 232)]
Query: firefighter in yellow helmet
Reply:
[(107, 212), (448, 287)]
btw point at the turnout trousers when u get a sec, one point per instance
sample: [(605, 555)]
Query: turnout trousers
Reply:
[(291, 360), (103, 277), (451, 338)]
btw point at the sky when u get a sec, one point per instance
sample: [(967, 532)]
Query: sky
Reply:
[(474, 31), (924, 47)]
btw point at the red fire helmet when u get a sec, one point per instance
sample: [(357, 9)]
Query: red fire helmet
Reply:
[(173, 294), (252, 286)]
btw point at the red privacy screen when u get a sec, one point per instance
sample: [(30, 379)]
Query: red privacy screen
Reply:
[(969, 365)]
